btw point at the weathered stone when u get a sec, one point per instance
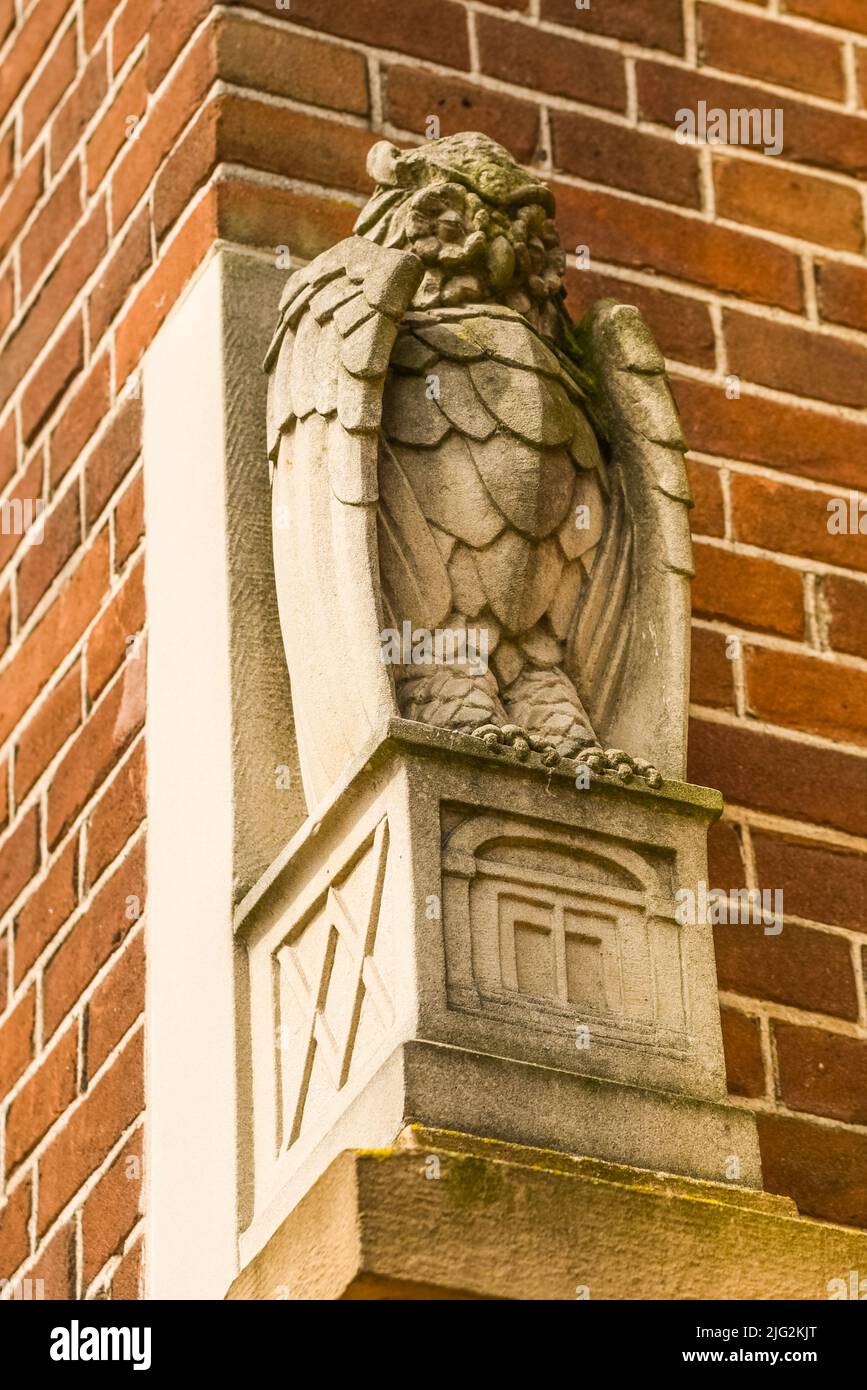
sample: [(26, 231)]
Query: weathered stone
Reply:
[(459, 253), (514, 1222), (516, 490), (465, 940)]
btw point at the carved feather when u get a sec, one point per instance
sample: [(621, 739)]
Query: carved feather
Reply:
[(412, 570), (450, 491), (532, 487), (529, 404)]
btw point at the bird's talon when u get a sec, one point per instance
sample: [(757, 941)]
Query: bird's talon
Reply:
[(616, 756), (573, 747), (587, 754)]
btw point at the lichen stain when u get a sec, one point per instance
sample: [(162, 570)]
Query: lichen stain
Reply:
[(472, 1182)]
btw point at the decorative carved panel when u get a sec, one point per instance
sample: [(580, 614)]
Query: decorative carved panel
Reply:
[(332, 989), (550, 927)]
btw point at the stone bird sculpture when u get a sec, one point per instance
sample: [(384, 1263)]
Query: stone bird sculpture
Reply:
[(452, 455)]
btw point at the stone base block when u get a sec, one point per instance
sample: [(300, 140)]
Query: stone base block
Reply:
[(466, 941), (523, 1104), (443, 1215)]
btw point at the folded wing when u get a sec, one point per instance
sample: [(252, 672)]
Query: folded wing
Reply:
[(327, 363), (628, 647)]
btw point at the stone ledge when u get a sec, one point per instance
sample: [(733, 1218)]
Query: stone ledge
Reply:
[(409, 733), (507, 1221), (525, 1103)]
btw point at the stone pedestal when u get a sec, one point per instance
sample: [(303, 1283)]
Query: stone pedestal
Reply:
[(442, 1216), (466, 942)]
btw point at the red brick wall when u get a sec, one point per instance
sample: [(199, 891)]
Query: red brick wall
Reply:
[(132, 137)]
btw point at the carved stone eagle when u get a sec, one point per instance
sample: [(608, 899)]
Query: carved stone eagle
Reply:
[(452, 455)]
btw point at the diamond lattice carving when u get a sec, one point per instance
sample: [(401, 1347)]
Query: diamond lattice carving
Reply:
[(326, 979)]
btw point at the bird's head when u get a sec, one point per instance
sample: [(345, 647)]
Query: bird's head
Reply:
[(481, 225)]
